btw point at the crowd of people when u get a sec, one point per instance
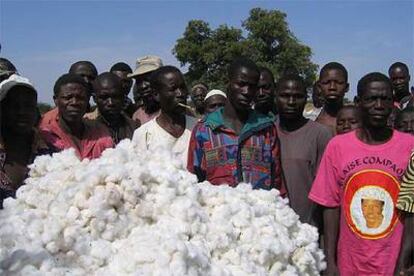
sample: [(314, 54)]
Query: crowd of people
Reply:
[(349, 172)]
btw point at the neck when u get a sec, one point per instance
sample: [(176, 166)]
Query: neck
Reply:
[(232, 114), (200, 110), (289, 125), (401, 94), (75, 128), (172, 123), (332, 108), (151, 108), (235, 118), (113, 121), (373, 135), (264, 109)]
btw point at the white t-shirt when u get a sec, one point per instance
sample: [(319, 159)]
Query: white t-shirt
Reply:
[(151, 136)]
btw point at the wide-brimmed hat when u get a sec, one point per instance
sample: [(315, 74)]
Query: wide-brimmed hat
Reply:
[(146, 64), (12, 81)]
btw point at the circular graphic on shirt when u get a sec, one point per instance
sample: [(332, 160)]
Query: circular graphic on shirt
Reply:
[(369, 200)]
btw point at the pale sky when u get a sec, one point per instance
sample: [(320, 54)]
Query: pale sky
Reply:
[(43, 38)]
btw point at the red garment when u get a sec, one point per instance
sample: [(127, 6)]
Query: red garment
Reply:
[(48, 117), (95, 140), (142, 117)]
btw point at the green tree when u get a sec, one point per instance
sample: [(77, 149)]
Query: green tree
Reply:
[(265, 38), (43, 107)]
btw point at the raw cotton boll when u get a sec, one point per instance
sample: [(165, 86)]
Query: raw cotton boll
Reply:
[(141, 213)]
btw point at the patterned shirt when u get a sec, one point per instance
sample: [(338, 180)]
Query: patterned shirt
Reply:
[(217, 154), (406, 196)]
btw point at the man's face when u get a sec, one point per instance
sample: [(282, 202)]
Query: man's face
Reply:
[(126, 82), (291, 100), (400, 79), (214, 102), (172, 93), (197, 96), (372, 212), (109, 99), (72, 101), (405, 123), (376, 104), (333, 85), (265, 93), (19, 110), (87, 73), (242, 89), (143, 88), (347, 120)]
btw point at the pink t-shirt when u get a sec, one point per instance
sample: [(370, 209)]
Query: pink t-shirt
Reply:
[(364, 180)]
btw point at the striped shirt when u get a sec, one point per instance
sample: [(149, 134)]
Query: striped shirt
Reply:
[(406, 196)]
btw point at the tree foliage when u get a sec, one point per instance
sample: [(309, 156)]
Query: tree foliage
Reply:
[(265, 38), (43, 107)]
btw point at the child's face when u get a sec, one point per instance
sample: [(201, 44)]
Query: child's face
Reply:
[(406, 123), (347, 120)]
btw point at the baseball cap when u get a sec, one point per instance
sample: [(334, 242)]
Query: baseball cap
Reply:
[(12, 81), (146, 64), (215, 92)]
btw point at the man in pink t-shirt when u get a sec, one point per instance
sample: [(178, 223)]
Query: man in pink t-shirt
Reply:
[(358, 183)]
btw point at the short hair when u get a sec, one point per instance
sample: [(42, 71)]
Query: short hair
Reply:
[(121, 66), (371, 77), (350, 107), (238, 63), (83, 62), (398, 64), (398, 116), (267, 70), (200, 85), (292, 77), (334, 66), (7, 65), (69, 78), (106, 76), (157, 75)]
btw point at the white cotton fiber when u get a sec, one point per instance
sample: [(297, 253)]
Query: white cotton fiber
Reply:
[(136, 213)]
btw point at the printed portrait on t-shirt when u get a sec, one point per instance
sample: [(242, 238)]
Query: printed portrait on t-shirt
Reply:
[(372, 210), (369, 201)]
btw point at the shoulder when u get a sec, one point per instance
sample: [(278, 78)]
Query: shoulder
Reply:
[(148, 127), (96, 130), (320, 130), (341, 141), (403, 139), (190, 122), (48, 118), (132, 123)]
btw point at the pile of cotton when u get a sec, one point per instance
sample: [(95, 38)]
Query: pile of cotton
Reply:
[(131, 213)]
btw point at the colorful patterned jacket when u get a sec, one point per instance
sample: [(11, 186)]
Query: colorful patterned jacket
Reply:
[(217, 154)]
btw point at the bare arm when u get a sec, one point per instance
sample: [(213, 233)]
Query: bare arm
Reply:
[(331, 229), (407, 247)]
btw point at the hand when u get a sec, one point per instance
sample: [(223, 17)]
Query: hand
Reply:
[(407, 272)]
